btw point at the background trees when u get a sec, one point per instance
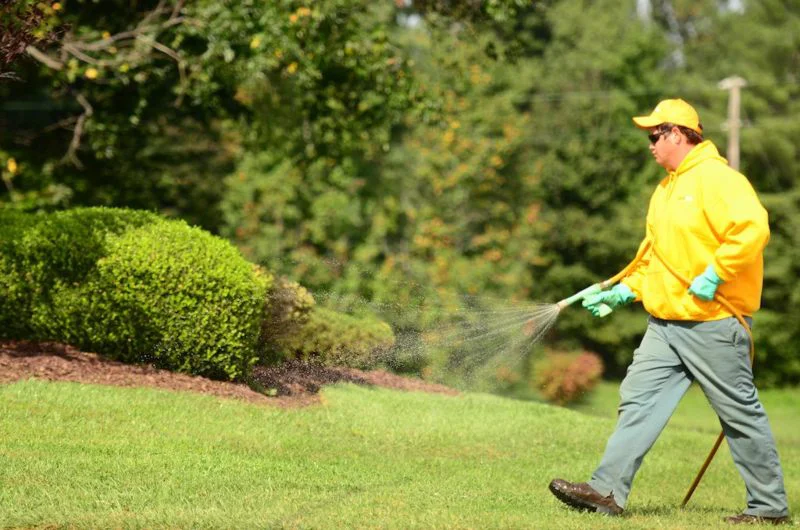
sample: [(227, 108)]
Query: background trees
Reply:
[(404, 152)]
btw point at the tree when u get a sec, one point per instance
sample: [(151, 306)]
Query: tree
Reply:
[(136, 97), (23, 24), (472, 197), (91, 98)]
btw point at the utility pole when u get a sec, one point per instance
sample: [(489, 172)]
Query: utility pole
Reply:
[(733, 85)]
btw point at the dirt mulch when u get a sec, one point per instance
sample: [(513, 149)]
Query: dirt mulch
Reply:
[(293, 384)]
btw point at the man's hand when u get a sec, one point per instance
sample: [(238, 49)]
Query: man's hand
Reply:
[(617, 296), (705, 285)]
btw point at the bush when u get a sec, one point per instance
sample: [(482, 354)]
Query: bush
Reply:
[(288, 307), (333, 338), (15, 291), (65, 246), (38, 251), (139, 288), (562, 378)]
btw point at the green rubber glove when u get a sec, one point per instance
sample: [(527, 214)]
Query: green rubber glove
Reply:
[(705, 285), (617, 296)]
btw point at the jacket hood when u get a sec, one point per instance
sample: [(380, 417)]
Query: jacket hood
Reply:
[(703, 151)]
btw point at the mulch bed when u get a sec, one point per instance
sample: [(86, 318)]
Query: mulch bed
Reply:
[(294, 383)]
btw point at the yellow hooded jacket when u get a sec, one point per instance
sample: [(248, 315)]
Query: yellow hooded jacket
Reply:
[(702, 213)]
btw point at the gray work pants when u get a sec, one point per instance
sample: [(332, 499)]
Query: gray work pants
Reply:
[(672, 354)]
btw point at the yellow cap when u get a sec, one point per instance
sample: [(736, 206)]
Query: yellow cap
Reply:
[(675, 111)]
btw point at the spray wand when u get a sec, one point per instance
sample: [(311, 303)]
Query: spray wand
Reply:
[(605, 310), (532, 327), (545, 316), (538, 325), (589, 291)]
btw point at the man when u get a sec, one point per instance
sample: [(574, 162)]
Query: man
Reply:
[(705, 222)]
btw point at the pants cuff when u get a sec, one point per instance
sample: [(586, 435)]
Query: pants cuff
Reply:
[(757, 513)]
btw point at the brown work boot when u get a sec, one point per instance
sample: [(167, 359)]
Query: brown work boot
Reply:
[(744, 518), (583, 497)]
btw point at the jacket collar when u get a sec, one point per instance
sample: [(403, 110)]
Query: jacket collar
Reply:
[(700, 153)]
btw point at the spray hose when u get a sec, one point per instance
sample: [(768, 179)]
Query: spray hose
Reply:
[(605, 310)]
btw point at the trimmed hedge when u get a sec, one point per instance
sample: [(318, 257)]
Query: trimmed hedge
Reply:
[(288, 307), (139, 288), (135, 287), (15, 292), (39, 250), (333, 338)]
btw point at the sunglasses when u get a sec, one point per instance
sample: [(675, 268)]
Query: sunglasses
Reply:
[(656, 135)]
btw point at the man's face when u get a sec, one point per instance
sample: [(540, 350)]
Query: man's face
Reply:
[(660, 145)]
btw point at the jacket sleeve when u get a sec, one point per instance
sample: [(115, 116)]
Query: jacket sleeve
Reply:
[(740, 222)]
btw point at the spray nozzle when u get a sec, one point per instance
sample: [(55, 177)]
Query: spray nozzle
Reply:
[(538, 324)]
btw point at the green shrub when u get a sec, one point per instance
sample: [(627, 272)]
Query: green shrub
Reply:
[(288, 307), (333, 338), (65, 246), (38, 251), (15, 291), (169, 294), (139, 288), (562, 378), (13, 223)]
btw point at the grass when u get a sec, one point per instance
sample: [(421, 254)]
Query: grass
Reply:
[(84, 456)]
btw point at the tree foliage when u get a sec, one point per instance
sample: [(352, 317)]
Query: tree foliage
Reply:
[(24, 23)]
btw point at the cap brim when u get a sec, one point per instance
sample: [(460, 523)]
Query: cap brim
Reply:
[(647, 122)]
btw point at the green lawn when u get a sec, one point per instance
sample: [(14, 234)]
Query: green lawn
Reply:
[(83, 456)]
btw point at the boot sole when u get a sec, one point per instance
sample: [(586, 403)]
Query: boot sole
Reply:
[(581, 504)]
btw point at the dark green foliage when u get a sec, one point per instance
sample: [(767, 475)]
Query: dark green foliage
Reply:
[(22, 23), (333, 338), (528, 182), (140, 289), (775, 325)]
